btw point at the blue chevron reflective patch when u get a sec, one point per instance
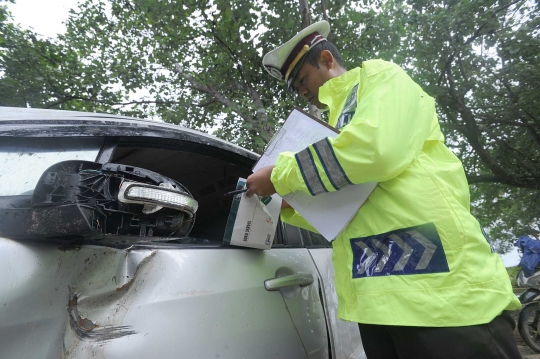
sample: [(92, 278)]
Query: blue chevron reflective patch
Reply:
[(414, 250)]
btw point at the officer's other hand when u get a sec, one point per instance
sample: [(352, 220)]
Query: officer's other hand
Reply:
[(259, 183)]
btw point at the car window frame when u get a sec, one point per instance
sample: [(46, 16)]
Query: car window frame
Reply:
[(288, 238)]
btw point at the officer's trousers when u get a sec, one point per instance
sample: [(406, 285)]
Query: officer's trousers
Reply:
[(485, 341)]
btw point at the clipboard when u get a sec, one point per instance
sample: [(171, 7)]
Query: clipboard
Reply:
[(299, 131), (330, 212)]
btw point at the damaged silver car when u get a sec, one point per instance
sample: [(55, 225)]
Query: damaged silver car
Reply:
[(111, 237)]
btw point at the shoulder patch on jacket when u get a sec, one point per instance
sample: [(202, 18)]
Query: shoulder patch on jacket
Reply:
[(414, 250), (349, 109)]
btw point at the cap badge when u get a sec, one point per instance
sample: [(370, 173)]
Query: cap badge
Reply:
[(274, 71)]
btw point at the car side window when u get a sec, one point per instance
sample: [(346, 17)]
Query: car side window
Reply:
[(23, 160), (206, 175), (312, 239), (298, 237)]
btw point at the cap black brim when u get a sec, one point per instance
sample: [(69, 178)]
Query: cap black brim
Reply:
[(294, 72)]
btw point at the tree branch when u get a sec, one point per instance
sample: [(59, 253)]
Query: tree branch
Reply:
[(453, 126), (490, 120), (484, 179), (69, 98), (304, 13), (260, 115), (525, 182), (514, 101), (517, 155), (325, 16), (229, 50), (209, 90), (223, 100), (478, 31), (473, 133), (467, 86), (532, 130)]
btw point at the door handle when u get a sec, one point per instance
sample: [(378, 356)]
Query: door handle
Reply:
[(288, 281)]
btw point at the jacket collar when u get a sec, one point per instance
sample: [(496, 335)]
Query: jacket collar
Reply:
[(331, 92)]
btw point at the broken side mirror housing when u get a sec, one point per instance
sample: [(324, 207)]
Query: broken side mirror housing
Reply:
[(88, 200)]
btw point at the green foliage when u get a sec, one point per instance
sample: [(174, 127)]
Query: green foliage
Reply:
[(508, 212), (198, 63), (484, 76), (44, 73), (480, 59)]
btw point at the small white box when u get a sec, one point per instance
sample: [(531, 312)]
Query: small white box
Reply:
[(252, 221)]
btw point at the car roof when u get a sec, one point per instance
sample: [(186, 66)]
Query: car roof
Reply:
[(31, 122)]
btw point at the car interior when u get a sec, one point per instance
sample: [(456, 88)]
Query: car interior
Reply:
[(207, 178), (207, 172)]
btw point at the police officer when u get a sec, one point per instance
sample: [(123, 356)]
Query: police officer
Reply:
[(412, 267)]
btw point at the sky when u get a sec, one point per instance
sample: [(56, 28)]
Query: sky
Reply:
[(46, 18), (512, 258)]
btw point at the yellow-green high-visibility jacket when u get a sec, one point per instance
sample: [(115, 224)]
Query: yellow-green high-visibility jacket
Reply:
[(413, 254)]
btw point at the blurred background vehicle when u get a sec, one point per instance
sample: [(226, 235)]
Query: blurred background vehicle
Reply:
[(529, 277)]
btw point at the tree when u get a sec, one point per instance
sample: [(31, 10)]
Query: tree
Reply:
[(48, 74), (198, 63), (201, 61), (480, 60), (485, 77), (485, 80)]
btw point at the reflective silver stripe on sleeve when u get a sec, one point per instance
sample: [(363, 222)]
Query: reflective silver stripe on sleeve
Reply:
[(331, 166), (309, 172)]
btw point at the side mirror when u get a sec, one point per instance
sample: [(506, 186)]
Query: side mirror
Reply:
[(113, 202)]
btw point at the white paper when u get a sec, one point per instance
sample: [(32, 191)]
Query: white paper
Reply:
[(329, 212), (297, 133)]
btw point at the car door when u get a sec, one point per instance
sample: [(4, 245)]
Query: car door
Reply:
[(190, 297), (345, 336), (148, 302)]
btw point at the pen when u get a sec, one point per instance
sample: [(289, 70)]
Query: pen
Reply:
[(232, 193)]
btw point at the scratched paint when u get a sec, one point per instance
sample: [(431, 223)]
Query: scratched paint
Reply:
[(98, 302), (86, 330)]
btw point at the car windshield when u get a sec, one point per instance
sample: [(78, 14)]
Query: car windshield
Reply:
[(23, 160)]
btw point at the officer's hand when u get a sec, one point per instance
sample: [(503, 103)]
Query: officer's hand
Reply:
[(259, 183)]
